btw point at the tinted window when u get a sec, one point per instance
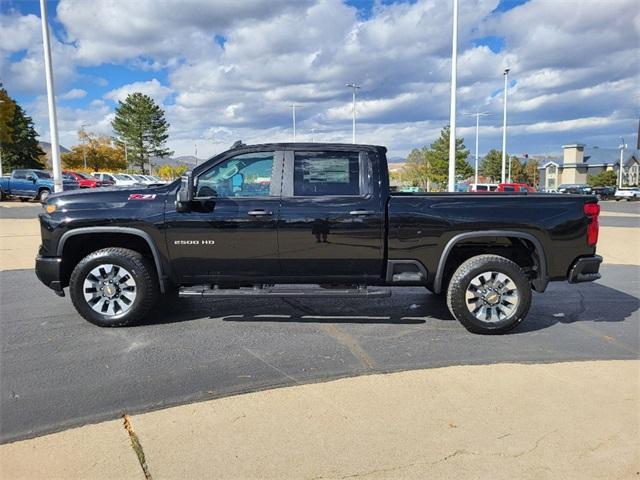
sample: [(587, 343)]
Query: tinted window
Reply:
[(246, 175), (19, 174), (326, 173), (482, 188), (42, 174), (508, 188)]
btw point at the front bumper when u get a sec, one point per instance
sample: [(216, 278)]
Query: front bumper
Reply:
[(585, 269), (48, 272)]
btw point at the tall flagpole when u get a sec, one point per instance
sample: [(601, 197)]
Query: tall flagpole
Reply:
[(51, 100), (452, 114)]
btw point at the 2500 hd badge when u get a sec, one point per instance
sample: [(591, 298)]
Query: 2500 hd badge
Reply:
[(194, 242)]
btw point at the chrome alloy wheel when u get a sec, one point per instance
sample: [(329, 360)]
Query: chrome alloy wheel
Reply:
[(492, 297), (109, 289)]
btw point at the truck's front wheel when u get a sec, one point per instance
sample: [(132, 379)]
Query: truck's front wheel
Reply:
[(489, 294), (113, 287)]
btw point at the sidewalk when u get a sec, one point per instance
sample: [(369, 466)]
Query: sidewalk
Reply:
[(569, 420)]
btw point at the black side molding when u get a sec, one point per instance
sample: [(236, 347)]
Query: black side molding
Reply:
[(540, 283), (125, 230)]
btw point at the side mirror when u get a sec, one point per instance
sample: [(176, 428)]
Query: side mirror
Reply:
[(31, 178), (185, 193)]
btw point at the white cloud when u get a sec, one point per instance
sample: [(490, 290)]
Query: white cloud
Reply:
[(73, 94), (153, 88), (574, 64)]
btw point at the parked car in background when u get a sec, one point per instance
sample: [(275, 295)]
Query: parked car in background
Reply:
[(483, 187), (87, 181), (627, 194), (118, 179), (574, 188), (30, 184), (603, 193), (515, 187)]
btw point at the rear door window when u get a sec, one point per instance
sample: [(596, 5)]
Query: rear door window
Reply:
[(326, 174)]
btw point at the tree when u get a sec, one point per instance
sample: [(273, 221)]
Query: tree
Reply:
[(100, 151), (491, 165), (431, 165), (531, 172), (140, 124), (608, 178), (171, 172), (437, 158), (18, 138), (517, 171), (417, 169)]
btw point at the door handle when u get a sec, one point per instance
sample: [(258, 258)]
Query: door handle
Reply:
[(259, 213), (362, 212)]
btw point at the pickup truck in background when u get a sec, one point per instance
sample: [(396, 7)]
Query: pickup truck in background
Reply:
[(254, 219), (29, 184), (627, 194)]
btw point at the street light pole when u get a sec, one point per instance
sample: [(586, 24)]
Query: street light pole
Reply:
[(504, 126), (354, 87), (452, 113), (84, 148), (477, 115), (51, 100), (293, 115), (196, 153), (620, 171)]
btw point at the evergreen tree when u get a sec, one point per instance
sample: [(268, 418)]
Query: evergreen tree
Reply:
[(19, 146), (437, 157), (491, 165), (140, 123)]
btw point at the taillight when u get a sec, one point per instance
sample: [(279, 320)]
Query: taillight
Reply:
[(592, 210)]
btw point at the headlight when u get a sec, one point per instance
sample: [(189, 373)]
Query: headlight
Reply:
[(50, 208)]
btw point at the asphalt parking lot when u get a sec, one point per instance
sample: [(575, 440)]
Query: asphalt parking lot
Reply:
[(59, 371)]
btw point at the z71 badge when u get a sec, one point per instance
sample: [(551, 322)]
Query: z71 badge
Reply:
[(142, 196)]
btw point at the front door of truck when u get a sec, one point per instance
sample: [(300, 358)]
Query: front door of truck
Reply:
[(230, 231), (331, 224)]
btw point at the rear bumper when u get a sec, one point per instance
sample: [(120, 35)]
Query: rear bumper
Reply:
[(585, 269), (48, 272)]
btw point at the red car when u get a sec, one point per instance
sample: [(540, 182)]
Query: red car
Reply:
[(87, 181), (515, 187)]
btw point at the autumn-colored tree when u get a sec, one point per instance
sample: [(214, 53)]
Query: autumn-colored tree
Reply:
[(171, 172), (101, 154)]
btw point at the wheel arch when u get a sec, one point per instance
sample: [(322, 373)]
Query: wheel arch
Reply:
[(540, 283), (140, 234)]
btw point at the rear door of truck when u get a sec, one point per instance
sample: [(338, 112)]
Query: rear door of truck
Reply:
[(331, 222)]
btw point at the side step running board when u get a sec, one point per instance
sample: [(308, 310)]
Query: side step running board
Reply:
[(314, 292)]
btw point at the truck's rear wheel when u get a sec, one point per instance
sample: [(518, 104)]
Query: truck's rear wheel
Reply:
[(113, 287), (489, 294)]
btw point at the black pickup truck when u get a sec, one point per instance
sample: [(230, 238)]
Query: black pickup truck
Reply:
[(261, 220)]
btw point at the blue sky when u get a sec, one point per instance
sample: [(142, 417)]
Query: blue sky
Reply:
[(225, 70)]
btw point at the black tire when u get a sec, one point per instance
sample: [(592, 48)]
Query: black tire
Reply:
[(43, 195), (143, 273), (469, 271), (2, 197)]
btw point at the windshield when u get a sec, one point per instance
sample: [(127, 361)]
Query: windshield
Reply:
[(139, 178), (122, 177), (41, 174), (83, 175)]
